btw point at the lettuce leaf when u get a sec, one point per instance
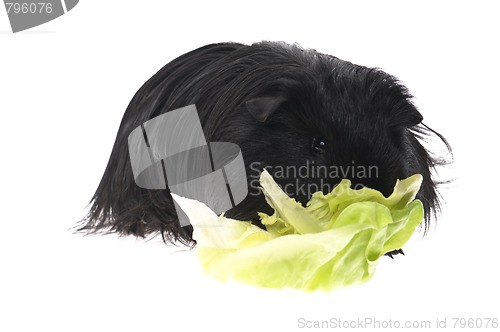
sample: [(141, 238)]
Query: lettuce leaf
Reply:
[(334, 241)]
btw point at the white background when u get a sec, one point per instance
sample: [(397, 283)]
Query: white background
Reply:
[(65, 85)]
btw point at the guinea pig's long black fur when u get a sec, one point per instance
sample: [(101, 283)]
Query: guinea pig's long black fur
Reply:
[(284, 106)]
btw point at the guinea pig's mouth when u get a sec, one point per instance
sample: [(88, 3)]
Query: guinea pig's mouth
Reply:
[(303, 189), (385, 186)]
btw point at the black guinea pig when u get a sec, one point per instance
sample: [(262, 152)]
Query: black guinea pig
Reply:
[(311, 119)]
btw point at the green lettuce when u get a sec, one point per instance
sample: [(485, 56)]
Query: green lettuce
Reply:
[(334, 241)]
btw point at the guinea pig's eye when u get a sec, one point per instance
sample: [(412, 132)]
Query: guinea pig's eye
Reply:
[(318, 145)]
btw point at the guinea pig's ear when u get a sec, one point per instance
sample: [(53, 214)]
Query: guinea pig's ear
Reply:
[(262, 107)]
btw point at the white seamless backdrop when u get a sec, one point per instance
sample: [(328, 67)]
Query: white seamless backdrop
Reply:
[(65, 85)]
